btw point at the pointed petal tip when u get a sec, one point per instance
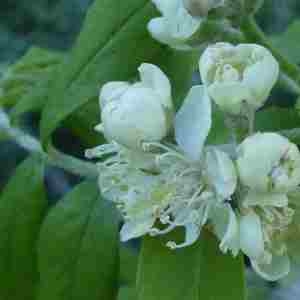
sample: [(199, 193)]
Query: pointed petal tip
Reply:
[(193, 122)]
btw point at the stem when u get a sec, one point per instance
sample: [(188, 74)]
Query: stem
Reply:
[(253, 33), (251, 118), (71, 164), (54, 157)]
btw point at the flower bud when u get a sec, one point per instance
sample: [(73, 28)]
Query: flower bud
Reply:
[(269, 162), (134, 113), (240, 77), (175, 26)]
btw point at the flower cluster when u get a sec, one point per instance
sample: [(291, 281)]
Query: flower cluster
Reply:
[(160, 171)]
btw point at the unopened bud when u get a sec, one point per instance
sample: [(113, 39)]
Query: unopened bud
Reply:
[(231, 75), (139, 112)]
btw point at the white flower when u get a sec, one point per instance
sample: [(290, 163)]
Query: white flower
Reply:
[(264, 224), (269, 162), (202, 178), (177, 185), (134, 113), (176, 25), (239, 78)]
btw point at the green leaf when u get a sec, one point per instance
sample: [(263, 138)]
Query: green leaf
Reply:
[(33, 99), (277, 118), (272, 118), (83, 121), (36, 59), (219, 133), (288, 42), (128, 264), (113, 43), (23, 82), (78, 248), (22, 208), (199, 272), (127, 293)]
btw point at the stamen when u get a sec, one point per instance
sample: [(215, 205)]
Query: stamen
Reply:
[(195, 196), (188, 172), (172, 245), (147, 147), (156, 231), (101, 150)]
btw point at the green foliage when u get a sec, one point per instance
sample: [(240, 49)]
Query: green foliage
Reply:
[(22, 208), (278, 119), (22, 83), (196, 272), (127, 293), (128, 265), (78, 248), (272, 118), (288, 42)]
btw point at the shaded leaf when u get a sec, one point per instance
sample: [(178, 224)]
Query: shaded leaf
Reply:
[(269, 119), (78, 248), (194, 273), (277, 118), (128, 264), (288, 42), (22, 82), (22, 208), (127, 293)]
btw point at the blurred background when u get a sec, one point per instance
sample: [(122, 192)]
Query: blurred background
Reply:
[(55, 24)]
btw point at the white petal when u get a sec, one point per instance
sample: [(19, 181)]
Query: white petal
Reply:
[(226, 228), (152, 77), (193, 122), (175, 26), (112, 91), (279, 267), (267, 68), (159, 29), (230, 96), (254, 198), (167, 7), (136, 228), (251, 236), (221, 172)]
